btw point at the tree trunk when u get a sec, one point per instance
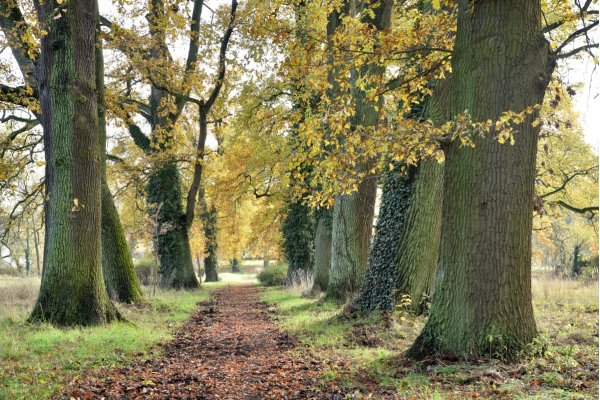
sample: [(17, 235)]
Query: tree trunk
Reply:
[(350, 239), (235, 265), (322, 250), (72, 291), (298, 240), (482, 302), (173, 245), (120, 277), (209, 221), (27, 254), (378, 288), (576, 270), (36, 247), (419, 240)]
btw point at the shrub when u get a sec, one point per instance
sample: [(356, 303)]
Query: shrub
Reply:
[(143, 269), (276, 276)]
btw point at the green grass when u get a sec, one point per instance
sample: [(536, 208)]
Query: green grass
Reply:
[(366, 357), (36, 359)]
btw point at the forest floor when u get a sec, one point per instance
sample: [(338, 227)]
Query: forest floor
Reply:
[(229, 349)]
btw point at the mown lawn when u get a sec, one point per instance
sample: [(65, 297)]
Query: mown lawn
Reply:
[(366, 356), (37, 359)]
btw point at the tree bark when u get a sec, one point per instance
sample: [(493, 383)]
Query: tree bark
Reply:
[(120, 277), (322, 250), (350, 239), (173, 245), (418, 245), (482, 301), (209, 221), (298, 240), (72, 291)]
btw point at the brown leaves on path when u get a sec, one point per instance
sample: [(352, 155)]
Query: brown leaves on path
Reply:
[(230, 349)]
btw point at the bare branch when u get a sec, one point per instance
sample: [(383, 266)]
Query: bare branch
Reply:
[(222, 53)]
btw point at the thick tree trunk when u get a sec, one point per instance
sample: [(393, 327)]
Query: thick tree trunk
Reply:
[(120, 277), (322, 250), (72, 291), (173, 245), (298, 240), (351, 231), (482, 302)]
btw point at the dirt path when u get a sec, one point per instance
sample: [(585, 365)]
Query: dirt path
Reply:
[(230, 349)]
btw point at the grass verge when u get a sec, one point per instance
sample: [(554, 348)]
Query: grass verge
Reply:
[(37, 359), (366, 355)]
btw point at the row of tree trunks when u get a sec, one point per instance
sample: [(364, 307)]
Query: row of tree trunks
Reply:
[(378, 288)]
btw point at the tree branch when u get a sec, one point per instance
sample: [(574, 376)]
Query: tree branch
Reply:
[(18, 95), (579, 32), (222, 53), (16, 28), (583, 210), (569, 179), (577, 50)]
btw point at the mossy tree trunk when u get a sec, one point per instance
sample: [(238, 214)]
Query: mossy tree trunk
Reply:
[(482, 301), (322, 250), (419, 240), (173, 245), (72, 290), (120, 277)]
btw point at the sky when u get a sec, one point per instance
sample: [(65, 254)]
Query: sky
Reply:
[(587, 100)]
